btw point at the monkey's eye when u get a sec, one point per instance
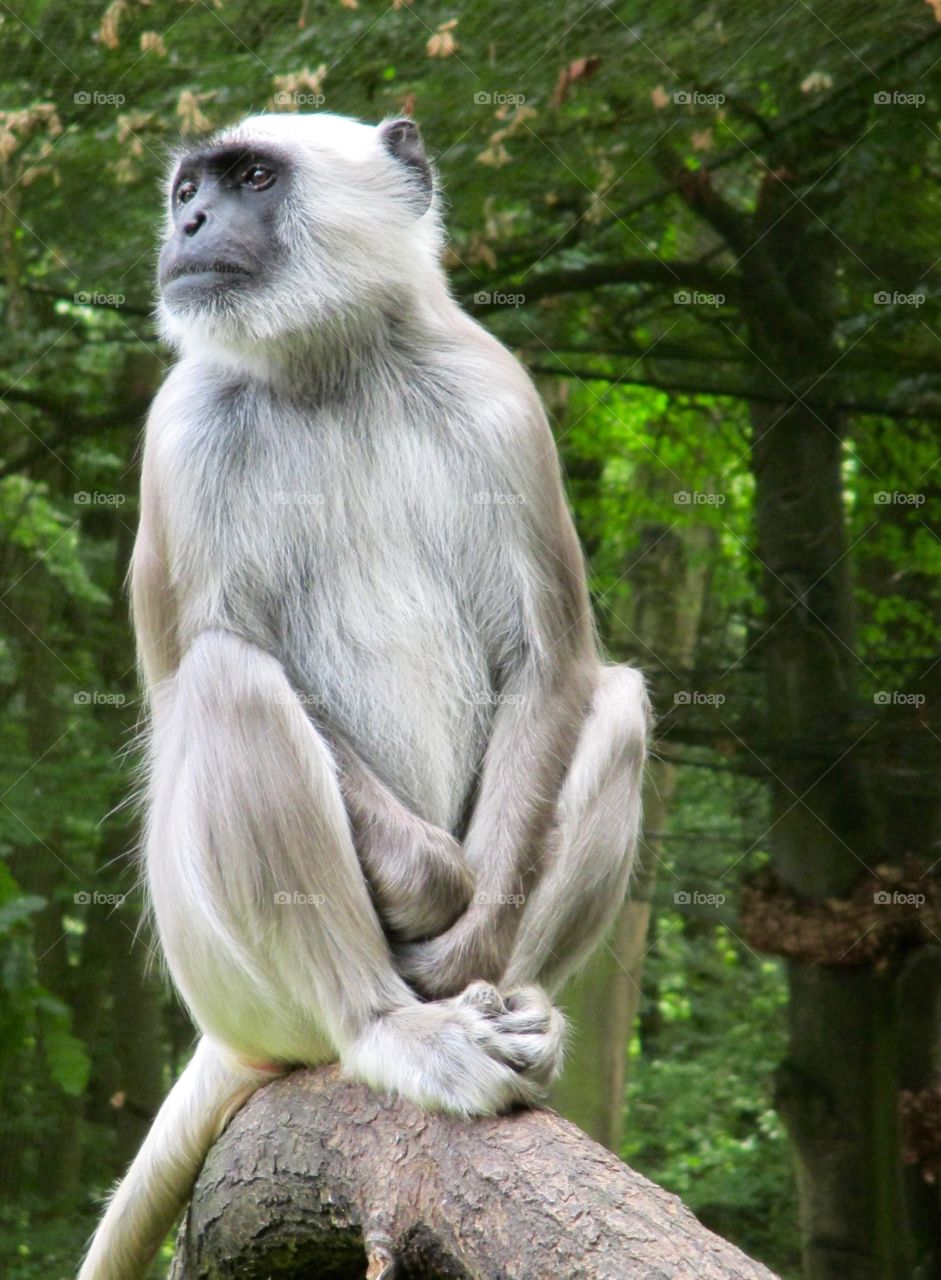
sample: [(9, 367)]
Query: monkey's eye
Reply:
[(186, 190), (257, 177)]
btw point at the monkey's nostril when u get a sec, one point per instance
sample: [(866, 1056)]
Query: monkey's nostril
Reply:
[(192, 225)]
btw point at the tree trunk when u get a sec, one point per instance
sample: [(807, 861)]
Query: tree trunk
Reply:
[(837, 1090), (316, 1174), (601, 1003), (659, 625)]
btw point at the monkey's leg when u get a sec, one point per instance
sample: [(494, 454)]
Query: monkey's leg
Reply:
[(533, 738), (265, 914), (270, 933), (417, 872), (146, 1204), (594, 841)]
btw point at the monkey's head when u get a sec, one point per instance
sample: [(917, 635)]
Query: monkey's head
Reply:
[(286, 224)]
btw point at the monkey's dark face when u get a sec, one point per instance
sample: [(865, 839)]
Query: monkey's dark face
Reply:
[(224, 206), (287, 225)]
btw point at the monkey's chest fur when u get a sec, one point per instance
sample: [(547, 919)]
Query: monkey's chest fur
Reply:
[(375, 551)]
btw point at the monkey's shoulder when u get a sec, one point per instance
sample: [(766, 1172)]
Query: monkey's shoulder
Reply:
[(469, 402), (198, 407)]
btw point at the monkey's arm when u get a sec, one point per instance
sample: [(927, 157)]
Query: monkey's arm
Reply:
[(532, 743), (152, 597), (417, 873), (544, 697)]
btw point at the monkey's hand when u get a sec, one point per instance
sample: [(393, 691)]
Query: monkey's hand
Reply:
[(417, 873)]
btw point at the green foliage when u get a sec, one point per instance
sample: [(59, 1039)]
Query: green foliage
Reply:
[(701, 1119), (35, 1248), (561, 142), (66, 1058)]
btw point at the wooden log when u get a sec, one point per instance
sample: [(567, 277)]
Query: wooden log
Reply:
[(318, 1177)]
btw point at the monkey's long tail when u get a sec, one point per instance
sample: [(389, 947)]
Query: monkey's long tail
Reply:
[(145, 1205)]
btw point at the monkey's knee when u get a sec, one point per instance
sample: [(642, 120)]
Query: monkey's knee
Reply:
[(599, 807), (251, 867), (613, 739), (594, 840), (235, 708), (224, 676)]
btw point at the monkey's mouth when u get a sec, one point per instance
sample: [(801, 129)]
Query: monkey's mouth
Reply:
[(197, 267)]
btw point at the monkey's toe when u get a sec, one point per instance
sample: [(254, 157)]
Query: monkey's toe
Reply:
[(528, 1011), (532, 1038)]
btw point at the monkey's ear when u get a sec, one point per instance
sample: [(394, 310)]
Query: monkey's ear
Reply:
[(402, 139)]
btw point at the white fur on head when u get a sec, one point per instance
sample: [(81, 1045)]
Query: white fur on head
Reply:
[(351, 238)]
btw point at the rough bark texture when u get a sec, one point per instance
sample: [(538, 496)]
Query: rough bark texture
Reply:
[(315, 1173)]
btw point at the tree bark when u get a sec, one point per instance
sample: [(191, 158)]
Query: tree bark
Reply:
[(600, 1003), (315, 1175)]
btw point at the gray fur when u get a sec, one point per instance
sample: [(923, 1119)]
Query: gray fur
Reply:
[(364, 630)]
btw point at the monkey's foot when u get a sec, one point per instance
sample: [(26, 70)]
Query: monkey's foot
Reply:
[(476, 1054)]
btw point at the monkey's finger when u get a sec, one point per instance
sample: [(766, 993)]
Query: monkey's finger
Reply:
[(484, 997)]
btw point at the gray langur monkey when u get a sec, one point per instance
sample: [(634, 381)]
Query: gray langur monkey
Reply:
[(393, 793)]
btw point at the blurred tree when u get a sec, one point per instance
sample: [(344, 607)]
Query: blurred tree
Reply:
[(683, 214)]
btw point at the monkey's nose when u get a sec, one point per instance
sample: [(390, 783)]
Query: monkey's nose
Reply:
[(193, 223)]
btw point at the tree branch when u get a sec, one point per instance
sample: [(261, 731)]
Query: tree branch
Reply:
[(922, 412), (600, 275), (315, 1174)]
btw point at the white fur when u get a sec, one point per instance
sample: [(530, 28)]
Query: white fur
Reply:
[(347, 220), (364, 627), (143, 1208)]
